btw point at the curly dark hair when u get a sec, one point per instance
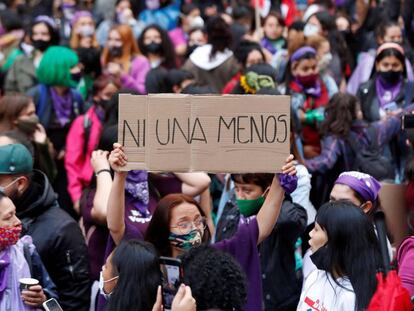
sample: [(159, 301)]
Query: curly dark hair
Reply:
[(216, 279), (339, 114), (168, 52)]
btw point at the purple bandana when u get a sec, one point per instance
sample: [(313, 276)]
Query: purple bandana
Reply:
[(62, 105), (78, 15), (314, 91), (365, 185), (387, 93), (136, 187), (288, 182), (46, 19), (298, 54)]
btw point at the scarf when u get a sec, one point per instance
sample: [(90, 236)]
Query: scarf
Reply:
[(387, 93), (62, 106), (136, 187)]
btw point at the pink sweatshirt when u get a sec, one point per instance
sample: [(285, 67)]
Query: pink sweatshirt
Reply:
[(135, 79), (78, 165), (405, 257)]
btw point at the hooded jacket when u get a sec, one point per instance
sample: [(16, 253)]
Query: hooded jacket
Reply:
[(58, 240), (213, 71)]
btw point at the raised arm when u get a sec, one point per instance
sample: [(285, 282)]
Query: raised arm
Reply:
[(101, 167), (194, 183), (116, 201), (268, 214)]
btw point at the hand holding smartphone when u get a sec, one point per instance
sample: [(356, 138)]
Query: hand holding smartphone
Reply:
[(172, 278)]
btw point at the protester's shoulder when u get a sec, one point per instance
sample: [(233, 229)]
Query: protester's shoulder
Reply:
[(56, 219), (406, 248)]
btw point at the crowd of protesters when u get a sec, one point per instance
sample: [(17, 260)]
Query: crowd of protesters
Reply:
[(305, 238)]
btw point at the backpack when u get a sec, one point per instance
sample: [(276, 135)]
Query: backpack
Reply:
[(390, 294), (369, 159)]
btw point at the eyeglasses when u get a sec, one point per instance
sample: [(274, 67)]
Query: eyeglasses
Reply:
[(186, 226)]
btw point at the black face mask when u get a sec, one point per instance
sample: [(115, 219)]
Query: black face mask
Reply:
[(76, 76), (41, 45), (154, 48), (390, 77), (103, 103), (320, 259), (115, 51)]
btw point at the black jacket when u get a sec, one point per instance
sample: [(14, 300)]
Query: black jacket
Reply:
[(367, 95), (59, 241), (282, 284)]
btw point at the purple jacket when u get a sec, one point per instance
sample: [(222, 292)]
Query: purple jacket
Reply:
[(405, 258)]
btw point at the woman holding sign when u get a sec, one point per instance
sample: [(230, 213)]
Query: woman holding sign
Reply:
[(179, 223)]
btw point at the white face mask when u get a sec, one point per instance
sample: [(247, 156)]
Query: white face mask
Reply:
[(310, 30), (325, 61), (27, 48), (102, 283), (86, 31), (196, 22)]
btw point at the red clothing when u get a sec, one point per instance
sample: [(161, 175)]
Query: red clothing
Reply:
[(311, 134), (77, 163), (229, 87)]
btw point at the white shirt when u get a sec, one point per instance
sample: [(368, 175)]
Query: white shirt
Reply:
[(321, 293)]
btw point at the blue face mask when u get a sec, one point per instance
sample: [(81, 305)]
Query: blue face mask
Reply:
[(186, 241)]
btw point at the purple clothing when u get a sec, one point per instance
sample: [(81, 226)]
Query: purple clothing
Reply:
[(334, 147), (363, 71), (405, 258), (135, 224), (13, 266), (99, 242), (135, 79), (62, 106), (243, 247), (178, 36), (387, 93)]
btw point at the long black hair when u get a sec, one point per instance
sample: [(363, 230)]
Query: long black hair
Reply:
[(137, 265), (352, 249), (167, 52)]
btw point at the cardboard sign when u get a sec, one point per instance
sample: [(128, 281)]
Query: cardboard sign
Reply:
[(184, 133)]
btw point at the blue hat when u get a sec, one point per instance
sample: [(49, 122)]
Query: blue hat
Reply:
[(15, 159)]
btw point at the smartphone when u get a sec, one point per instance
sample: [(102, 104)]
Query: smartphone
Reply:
[(172, 277), (52, 305), (407, 121)]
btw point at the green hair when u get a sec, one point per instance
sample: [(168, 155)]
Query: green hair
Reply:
[(54, 68)]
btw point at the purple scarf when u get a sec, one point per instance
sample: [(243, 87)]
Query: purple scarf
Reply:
[(62, 105), (136, 187), (387, 93), (314, 91)]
